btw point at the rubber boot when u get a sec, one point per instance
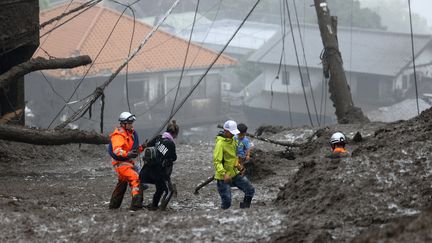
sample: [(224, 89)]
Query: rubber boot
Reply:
[(246, 202), (118, 194), (152, 207), (167, 196), (137, 201)]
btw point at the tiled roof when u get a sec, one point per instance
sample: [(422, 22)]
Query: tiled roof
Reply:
[(86, 34)]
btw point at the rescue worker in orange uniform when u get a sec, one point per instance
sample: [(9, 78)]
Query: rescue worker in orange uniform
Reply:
[(337, 143), (124, 147)]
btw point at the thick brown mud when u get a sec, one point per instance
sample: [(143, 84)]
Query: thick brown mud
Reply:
[(382, 192)]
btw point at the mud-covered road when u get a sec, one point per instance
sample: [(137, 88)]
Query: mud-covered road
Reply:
[(61, 193), (382, 193)]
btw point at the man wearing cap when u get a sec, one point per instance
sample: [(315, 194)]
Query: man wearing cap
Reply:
[(226, 174)]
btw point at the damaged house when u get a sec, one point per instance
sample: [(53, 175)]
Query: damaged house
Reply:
[(152, 76), (378, 68)]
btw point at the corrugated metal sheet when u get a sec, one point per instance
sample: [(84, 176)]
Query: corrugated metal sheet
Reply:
[(363, 51)]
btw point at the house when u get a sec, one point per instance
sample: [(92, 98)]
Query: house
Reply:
[(215, 35), (178, 22), (378, 67), (249, 39), (152, 76)]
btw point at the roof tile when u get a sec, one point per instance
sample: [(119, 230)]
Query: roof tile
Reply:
[(87, 33)]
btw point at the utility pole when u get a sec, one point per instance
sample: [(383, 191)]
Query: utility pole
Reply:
[(331, 57)]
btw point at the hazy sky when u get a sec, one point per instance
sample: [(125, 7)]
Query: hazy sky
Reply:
[(423, 8)]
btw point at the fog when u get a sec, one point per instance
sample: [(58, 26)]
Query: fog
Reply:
[(272, 73)]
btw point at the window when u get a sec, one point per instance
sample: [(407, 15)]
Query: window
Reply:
[(138, 89), (186, 86)]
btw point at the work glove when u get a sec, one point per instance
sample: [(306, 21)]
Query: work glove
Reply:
[(132, 154)]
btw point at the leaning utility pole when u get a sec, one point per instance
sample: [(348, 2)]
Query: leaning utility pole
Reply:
[(331, 58)]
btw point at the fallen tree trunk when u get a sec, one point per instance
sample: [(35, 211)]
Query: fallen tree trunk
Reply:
[(50, 137), (40, 63)]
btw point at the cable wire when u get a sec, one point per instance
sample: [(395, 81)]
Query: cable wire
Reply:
[(193, 61), (91, 65), (99, 90), (185, 59), (413, 57), (208, 69), (306, 64), (298, 64), (130, 48), (282, 57)]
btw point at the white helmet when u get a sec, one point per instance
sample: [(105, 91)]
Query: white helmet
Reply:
[(126, 117), (337, 137)]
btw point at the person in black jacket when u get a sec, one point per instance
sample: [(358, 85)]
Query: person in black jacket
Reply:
[(158, 171)]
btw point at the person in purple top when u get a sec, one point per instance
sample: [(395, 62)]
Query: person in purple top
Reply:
[(159, 171)]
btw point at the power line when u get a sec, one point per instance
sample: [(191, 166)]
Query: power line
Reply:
[(64, 14), (185, 59), (298, 63), (283, 26), (413, 57), (130, 48), (91, 65), (193, 61), (208, 69), (42, 26), (172, 36), (90, 5), (351, 41), (99, 90), (306, 64)]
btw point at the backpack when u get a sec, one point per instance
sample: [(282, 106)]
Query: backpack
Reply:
[(150, 154)]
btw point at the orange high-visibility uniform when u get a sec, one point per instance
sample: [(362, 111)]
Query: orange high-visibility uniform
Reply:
[(339, 150), (122, 142)]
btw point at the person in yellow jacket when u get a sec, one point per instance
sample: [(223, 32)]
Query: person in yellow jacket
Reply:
[(226, 173), (124, 148)]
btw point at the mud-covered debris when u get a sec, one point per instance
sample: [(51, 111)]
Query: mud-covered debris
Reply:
[(357, 137), (416, 228), (387, 178), (269, 130)]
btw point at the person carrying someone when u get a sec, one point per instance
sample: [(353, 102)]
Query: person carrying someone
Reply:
[(244, 147), (123, 148), (226, 174), (158, 171)]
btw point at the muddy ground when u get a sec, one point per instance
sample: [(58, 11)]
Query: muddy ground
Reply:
[(381, 193)]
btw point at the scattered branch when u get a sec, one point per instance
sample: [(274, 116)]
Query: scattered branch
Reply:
[(40, 63)]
